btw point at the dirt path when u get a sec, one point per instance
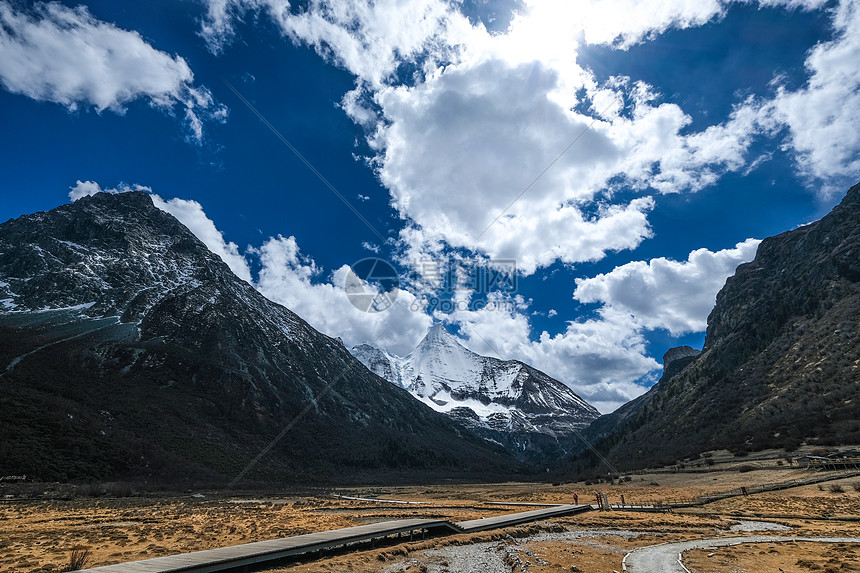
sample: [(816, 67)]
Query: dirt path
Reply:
[(666, 556)]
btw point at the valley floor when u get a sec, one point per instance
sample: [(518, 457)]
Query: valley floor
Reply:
[(40, 534)]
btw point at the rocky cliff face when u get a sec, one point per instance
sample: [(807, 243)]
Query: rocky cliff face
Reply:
[(127, 349), (609, 427), (781, 361), (679, 353), (533, 415)]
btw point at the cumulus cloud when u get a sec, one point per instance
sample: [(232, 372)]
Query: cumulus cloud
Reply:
[(605, 359), (502, 145), (84, 189), (626, 22), (497, 127), (191, 214), (66, 56), (288, 278), (823, 115), (600, 359), (87, 188), (497, 109), (494, 129), (661, 293), (370, 39)]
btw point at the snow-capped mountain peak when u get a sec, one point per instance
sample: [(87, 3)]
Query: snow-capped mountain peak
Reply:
[(484, 392)]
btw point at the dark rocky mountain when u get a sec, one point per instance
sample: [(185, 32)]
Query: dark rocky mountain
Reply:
[(129, 351), (780, 364), (534, 416), (674, 361)]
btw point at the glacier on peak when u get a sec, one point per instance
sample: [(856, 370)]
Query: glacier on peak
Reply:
[(488, 394)]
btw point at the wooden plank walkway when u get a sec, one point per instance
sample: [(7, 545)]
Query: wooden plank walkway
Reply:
[(510, 519), (262, 551)]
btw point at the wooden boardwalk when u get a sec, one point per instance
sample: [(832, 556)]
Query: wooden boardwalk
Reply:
[(274, 549), (510, 519), (263, 551)]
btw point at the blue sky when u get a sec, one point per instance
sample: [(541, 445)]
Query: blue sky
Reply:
[(624, 155)]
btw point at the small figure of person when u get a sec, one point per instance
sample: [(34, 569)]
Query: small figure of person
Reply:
[(575, 498), (622, 500)]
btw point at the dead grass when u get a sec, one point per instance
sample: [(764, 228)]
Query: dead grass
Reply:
[(789, 556), (78, 558), (38, 535)]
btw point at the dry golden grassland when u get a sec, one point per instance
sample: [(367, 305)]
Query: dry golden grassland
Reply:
[(788, 556), (39, 535)]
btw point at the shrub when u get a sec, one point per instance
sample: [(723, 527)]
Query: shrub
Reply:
[(78, 559), (837, 488)]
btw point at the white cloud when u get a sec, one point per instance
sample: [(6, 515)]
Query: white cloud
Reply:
[(485, 114), (370, 39), (600, 359), (623, 23), (66, 56), (84, 189), (662, 293), (191, 214), (605, 359), (296, 282), (495, 128), (626, 22), (496, 109), (823, 116), (87, 188), (217, 27)]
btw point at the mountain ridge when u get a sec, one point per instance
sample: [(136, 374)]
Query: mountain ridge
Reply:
[(132, 351), (780, 363)]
